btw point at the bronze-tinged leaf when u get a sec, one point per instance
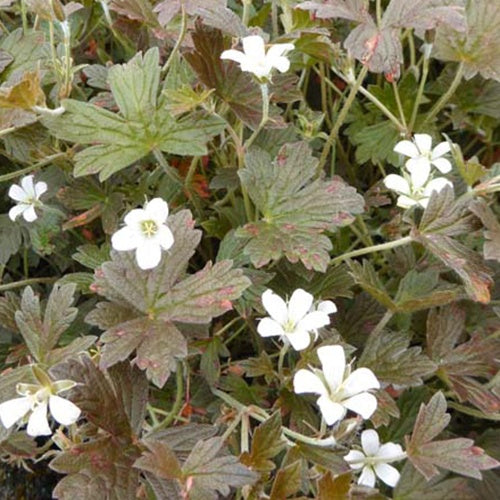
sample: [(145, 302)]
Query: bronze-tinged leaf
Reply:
[(332, 487), (24, 94), (287, 481), (491, 248), (160, 460)]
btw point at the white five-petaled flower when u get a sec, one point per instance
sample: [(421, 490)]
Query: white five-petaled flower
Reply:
[(422, 156), (296, 320), (146, 233), (27, 196), (375, 459), (338, 388), (37, 399), (254, 58)]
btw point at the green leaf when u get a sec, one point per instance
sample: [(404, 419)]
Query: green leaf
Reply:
[(296, 208), (491, 248), (10, 238), (287, 482), (9, 304)]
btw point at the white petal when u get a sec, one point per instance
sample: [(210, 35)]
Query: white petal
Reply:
[(420, 169), (441, 149), (29, 214), (234, 55), (327, 306), (423, 142), (356, 459), (436, 184), (148, 255), (258, 69), (17, 210), (360, 380), (406, 148), (268, 327), (363, 404), (367, 477), (423, 202), (442, 164), (300, 339), (13, 410), (65, 412), (17, 193), (40, 188), (332, 359), (254, 47), (157, 210), (38, 424), (370, 442), (387, 473), (279, 49), (27, 185), (135, 216), (164, 237), (305, 381), (313, 320), (282, 64), (299, 304), (332, 412), (275, 306), (390, 451), (405, 201), (125, 239), (397, 183)]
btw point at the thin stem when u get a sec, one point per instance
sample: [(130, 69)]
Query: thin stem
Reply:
[(341, 118), (164, 164), (274, 17), (24, 16), (30, 281), (324, 98), (374, 248), (179, 380), (379, 12), (226, 327), (264, 89), (420, 93), (245, 428), (382, 323), (246, 11), (446, 96), (31, 168), (400, 105), (177, 45), (281, 359)]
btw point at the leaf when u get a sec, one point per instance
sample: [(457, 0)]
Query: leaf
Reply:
[(296, 208), (91, 256), (477, 48), (266, 444), (458, 455), (389, 356), (334, 488), (160, 460), (9, 304), (491, 248), (137, 10), (208, 472), (287, 481), (10, 238)]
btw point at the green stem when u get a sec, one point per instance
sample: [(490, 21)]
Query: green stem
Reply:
[(281, 359), (31, 168), (274, 16), (30, 281), (400, 105), (264, 89), (166, 167), (24, 16), (341, 118), (177, 45), (246, 11), (179, 380), (382, 323), (420, 93), (379, 12), (374, 248), (446, 96)]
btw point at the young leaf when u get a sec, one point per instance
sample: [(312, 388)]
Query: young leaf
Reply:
[(10, 238), (334, 488), (160, 460), (287, 481), (491, 248), (296, 207)]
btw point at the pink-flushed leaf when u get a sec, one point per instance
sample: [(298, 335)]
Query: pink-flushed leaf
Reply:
[(160, 460), (491, 247), (137, 10), (352, 10), (431, 420)]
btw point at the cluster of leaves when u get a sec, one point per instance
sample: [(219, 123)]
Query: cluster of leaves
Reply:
[(114, 102)]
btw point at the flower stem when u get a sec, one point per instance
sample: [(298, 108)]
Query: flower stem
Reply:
[(179, 41), (400, 105), (171, 173), (374, 248), (420, 93), (30, 281), (264, 89), (246, 11), (281, 359), (341, 118), (179, 380)]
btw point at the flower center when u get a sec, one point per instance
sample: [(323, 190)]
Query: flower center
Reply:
[(289, 326), (149, 228)]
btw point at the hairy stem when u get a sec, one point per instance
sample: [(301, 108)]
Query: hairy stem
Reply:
[(179, 41), (179, 393), (30, 281), (31, 168), (420, 93), (264, 89)]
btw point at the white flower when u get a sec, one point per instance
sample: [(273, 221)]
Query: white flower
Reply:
[(37, 399), (338, 388), (416, 189), (27, 196), (422, 156), (293, 321), (254, 58), (146, 233), (374, 460)]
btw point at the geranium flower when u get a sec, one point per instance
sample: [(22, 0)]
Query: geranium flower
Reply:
[(374, 460), (146, 233), (293, 321), (415, 190), (338, 388), (37, 399), (422, 156), (27, 196), (254, 58)]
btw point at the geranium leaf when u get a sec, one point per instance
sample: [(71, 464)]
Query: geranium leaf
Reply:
[(160, 460), (287, 481), (491, 248)]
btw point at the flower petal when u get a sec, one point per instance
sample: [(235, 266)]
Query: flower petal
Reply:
[(38, 425), (360, 380), (441, 149), (299, 304), (234, 55), (370, 442), (406, 148), (157, 210), (148, 255), (313, 320), (13, 410), (397, 183), (40, 188), (164, 237), (332, 359), (423, 142), (305, 381), (363, 404), (135, 216), (17, 210), (332, 412), (268, 327), (390, 451), (65, 412), (420, 169), (28, 186), (29, 214), (387, 473), (275, 306), (367, 477), (436, 184), (300, 339), (442, 164), (254, 47), (327, 306), (405, 201), (355, 459), (125, 239), (17, 193), (282, 64), (278, 50)]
